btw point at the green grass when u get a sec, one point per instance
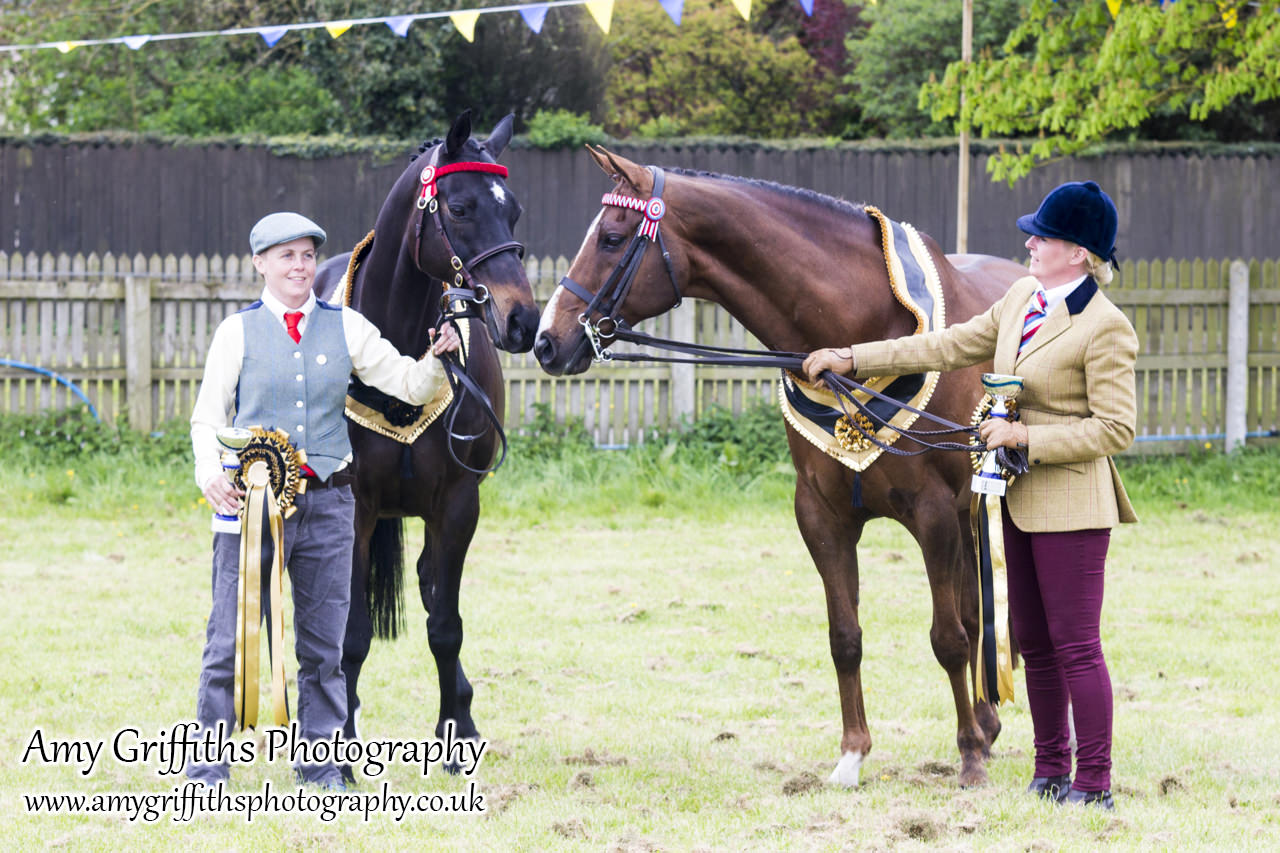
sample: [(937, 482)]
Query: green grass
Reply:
[(647, 639)]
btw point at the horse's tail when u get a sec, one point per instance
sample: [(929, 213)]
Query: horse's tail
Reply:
[(386, 578)]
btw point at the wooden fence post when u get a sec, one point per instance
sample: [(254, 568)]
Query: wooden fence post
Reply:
[(683, 377), (1237, 354), (137, 350)]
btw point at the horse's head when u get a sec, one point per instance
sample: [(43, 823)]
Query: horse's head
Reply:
[(460, 229), (613, 278)]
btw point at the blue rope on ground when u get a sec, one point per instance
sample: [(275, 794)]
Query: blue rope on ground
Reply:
[(8, 362)]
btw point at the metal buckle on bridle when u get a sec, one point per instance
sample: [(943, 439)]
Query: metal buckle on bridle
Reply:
[(593, 336)]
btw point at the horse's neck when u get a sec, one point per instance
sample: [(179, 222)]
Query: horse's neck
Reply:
[(399, 299), (797, 275)]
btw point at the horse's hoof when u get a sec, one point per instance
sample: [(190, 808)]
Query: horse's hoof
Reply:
[(847, 771), (974, 777)]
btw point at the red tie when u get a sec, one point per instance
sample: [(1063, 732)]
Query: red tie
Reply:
[(291, 320)]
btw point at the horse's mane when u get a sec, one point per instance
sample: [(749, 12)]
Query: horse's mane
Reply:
[(424, 148), (838, 205)]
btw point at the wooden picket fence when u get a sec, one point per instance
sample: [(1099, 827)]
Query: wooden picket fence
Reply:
[(111, 325)]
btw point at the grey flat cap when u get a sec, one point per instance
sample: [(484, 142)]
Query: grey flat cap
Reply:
[(277, 228)]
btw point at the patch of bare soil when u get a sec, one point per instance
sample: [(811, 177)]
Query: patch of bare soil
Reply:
[(571, 828), (801, 783), (498, 798), (591, 758)]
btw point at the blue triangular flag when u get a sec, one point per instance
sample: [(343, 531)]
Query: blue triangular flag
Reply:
[(534, 16), (674, 9), (400, 24), (807, 5), (271, 35)]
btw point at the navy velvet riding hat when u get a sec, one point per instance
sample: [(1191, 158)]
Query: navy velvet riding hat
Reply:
[(1080, 213)]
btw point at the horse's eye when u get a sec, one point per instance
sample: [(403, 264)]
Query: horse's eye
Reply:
[(457, 211), (613, 241)]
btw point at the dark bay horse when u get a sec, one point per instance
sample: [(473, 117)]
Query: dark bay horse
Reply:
[(802, 271), (465, 237)]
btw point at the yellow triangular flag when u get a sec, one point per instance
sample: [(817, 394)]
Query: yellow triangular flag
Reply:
[(744, 8), (337, 28), (67, 46), (1114, 6), (602, 11), (466, 23)]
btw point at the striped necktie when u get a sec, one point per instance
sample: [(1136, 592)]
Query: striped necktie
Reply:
[(1034, 318)]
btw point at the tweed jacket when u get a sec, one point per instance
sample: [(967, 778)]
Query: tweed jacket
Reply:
[(1077, 402)]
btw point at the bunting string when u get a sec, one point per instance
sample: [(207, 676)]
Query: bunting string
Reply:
[(464, 20)]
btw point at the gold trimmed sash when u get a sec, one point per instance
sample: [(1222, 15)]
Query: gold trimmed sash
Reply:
[(815, 413)]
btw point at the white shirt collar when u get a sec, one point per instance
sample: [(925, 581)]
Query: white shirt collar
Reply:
[(1055, 296), (278, 308)]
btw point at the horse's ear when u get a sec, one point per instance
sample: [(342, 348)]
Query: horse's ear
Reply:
[(619, 168), (500, 136), (458, 134)]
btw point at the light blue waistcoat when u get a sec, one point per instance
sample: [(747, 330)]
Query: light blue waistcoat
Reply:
[(299, 388)]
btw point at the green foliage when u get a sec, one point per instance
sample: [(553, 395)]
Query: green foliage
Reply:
[(713, 74), (753, 442), (563, 129), (543, 436), (1072, 77), (907, 43), (511, 69), (1246, 480), (66, 437)]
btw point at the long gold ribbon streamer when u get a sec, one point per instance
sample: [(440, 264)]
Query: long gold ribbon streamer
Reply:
[(258, 495), (988, 537)]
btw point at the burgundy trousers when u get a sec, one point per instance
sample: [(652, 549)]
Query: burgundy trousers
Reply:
[(1055, 603)]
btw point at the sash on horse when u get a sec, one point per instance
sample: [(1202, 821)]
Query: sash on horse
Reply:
[(378, 412), (816, 414)]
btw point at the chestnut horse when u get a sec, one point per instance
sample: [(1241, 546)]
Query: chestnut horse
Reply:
[(464, 238), (802, 271)]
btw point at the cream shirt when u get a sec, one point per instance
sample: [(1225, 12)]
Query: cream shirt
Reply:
[(374, 361)]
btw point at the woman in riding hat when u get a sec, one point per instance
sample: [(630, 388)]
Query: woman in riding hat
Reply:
[(1075, 352)]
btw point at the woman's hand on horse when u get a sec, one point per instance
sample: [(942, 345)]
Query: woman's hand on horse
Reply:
[(223, 495), (998, 432), (445, 340), (840, 360)]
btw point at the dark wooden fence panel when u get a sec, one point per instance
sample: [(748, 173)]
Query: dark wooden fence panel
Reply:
[(57, 196)]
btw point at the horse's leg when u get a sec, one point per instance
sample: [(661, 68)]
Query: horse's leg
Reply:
[(439, 579), (934, 522), (465, 691), (832, 539)]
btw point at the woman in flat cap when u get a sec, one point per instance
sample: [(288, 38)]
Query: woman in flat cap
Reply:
[(1076, 353), (284, 363)]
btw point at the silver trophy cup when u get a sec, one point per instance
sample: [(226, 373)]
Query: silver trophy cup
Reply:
[(1003, 388), (233, 440)]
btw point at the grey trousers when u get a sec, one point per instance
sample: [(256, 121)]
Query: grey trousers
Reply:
[(318, 540)]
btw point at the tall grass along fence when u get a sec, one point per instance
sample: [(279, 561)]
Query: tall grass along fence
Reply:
[(130, 335)]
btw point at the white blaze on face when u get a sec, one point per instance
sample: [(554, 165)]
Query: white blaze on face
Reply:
[(549, 313), (498, 192)]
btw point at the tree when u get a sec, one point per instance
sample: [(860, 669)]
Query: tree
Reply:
[(511, 69), (1072, 76), (713, 74), (907, 42), (368, 82)]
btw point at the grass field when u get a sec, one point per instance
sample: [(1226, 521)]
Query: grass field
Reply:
[(648, 646)]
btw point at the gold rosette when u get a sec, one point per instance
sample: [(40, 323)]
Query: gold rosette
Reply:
[(271, 476)]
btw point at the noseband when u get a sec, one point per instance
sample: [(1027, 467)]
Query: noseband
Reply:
[(607, 302), (465, 291)]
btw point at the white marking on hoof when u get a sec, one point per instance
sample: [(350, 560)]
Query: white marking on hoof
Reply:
[(847, 771)]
